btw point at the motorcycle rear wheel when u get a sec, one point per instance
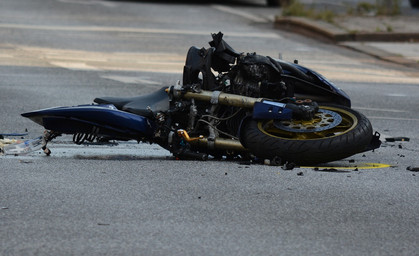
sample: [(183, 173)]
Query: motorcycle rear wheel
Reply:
[(310, 142)]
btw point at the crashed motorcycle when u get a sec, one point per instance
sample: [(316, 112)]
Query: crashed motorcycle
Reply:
[(229, 105)]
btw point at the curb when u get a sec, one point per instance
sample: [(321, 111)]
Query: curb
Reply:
[(327, 32), (323, 30), (311, 29)]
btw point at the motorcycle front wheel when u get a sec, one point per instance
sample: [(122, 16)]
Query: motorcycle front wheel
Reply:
[(335, 133)]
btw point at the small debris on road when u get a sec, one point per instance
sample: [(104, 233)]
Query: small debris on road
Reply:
[(245, 162), (25, 161), (412, 169), (393, 139), (329, 170), (288, 166), (19, 147)]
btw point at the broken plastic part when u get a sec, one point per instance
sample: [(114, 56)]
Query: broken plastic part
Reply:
[(393, 139), (4, 142), (289, 166), (23, 147), (412, 169)]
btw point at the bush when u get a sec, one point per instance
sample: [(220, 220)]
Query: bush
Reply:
[(296, 8)]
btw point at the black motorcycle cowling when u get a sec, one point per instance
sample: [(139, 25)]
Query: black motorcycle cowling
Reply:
[(258, 76)]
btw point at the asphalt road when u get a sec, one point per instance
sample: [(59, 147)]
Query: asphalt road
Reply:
[(133, 199)]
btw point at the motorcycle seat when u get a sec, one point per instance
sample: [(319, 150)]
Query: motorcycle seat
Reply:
[(144, 105)]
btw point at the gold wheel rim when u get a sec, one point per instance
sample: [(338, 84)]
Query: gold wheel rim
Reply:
[(348, 123)]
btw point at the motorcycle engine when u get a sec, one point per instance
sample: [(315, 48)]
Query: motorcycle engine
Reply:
[(254, 76), (257, 76)]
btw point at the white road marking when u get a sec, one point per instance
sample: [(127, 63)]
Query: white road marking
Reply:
[(158, 62), (132, 80), (396, 95), (393, 118), (3, 55), (73, 65), (164, 62), (364, 74), (136, 30), (243, 14), (382, 109), (89, 2)]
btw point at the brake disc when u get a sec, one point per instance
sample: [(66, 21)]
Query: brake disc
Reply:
[(323, 120)]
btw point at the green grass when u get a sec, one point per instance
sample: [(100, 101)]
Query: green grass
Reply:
[(381, 7), (296, 8)]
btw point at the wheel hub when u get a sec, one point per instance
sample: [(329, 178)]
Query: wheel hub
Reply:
[(323, 120)]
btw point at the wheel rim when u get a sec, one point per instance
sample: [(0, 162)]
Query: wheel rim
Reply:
[(321, 127)]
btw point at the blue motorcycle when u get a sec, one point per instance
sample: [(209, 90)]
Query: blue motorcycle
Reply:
[(229, 104)]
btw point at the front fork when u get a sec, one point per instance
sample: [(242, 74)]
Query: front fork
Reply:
[(179, 140)]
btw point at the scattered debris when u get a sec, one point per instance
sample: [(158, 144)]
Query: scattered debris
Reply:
[(18, 147), (352, 161), (288, 166), (276, 161), (300, 174), (412, 169), (329, 170), (393, 139), (249, 162), (104, 224), (25, 161), (5, 142)]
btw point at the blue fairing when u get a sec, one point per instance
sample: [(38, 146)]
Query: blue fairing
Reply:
[(81, 119)]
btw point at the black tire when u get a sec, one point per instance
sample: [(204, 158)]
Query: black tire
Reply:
[(273, 2), (414, 3), (350, 136)]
